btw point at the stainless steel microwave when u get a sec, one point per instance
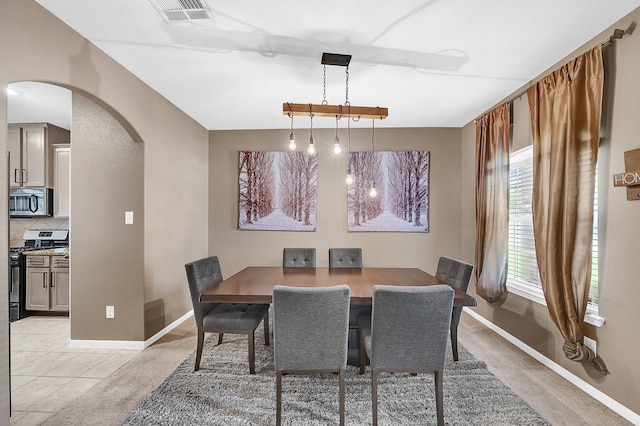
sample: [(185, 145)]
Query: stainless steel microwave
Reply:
[(30, 202)]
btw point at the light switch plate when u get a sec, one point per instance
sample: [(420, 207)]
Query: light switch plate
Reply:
[(128, 218), (110, 312)]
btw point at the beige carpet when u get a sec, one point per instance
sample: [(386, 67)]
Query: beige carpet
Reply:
[(111, 401)]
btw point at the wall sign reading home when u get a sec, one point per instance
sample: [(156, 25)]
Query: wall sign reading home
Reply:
[(277, 191), (630, 178), (401, 180)]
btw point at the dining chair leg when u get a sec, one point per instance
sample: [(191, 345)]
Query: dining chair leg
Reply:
[(439, 398), (266, 329), (252, 353), (199, 349), (374, 397), (341, 381), (454, 341), (278, 398), (220, 338), (363, 354)]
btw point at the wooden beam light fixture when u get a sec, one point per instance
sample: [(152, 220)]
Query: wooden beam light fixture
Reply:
[(322, 110)]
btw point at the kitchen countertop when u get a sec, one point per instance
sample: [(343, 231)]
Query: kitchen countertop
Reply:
[(58, 251)]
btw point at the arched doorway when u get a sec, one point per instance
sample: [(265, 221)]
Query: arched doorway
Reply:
[(106, 178)]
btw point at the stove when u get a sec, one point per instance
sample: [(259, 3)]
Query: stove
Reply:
[(45, 238), (34, 239), (14, 253)]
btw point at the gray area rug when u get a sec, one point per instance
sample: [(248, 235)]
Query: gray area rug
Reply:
[(223, 393)]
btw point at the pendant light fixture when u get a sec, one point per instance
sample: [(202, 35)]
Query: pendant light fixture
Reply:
[(349, 178), (373, 193), (292, 136), (326, 110), (336, 140), (311, 149)]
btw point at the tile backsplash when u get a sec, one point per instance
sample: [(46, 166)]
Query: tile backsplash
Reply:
[(17, 226)]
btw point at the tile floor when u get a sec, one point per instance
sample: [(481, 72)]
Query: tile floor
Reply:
[(47, 374)]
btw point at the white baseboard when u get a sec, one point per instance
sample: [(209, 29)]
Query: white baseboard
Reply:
[(581, 384), (107, 344), (150, 341), (129, 344)]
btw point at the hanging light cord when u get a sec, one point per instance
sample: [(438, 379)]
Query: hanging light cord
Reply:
[(373, 133), (311, 115), (349, 129), (373, 130), (290, 114)]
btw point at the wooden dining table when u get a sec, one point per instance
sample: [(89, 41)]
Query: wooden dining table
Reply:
[(254, 284)]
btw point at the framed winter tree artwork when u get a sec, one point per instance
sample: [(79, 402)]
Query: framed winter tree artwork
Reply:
[(277, 191), (400, 201)]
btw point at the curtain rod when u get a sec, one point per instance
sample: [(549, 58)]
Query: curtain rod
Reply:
[(617, 34)]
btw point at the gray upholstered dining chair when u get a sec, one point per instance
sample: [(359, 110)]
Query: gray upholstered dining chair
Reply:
[(457, 274), (407, 332), (345, 258), (350, 258), (310, 334), (233, 318), (299, 258)]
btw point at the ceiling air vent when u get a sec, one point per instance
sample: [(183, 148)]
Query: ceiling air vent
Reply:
[(182, 10)]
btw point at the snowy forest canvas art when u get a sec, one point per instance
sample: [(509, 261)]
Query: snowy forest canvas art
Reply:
[(277, 191), (402, 184)]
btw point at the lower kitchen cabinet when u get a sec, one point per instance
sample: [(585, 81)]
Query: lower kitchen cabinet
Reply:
[(47, 283)]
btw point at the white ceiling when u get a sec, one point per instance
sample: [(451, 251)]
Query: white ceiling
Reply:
[(433, 63), (31, 102)]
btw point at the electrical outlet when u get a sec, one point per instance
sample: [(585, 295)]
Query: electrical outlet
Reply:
[(591, 344), (110, 312)]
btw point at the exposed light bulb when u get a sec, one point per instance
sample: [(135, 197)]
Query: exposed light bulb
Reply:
[(312, 149), (349, 179), (373, 193), (336, 146), (292, 142)]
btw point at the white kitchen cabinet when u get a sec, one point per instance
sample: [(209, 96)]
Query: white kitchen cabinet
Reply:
[(37, 283), (14, 146), (59, 295), (61, 181), (47, 283), (30, 163)]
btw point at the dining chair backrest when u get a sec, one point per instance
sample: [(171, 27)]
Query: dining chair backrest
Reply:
[(410, 327), (310, 327), (345, 258), (202, 275), (299, 257), (457, 274)]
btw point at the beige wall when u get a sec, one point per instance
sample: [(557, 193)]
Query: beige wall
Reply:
[(617, 340), (168, 196), (106, 256), (238, 249)]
